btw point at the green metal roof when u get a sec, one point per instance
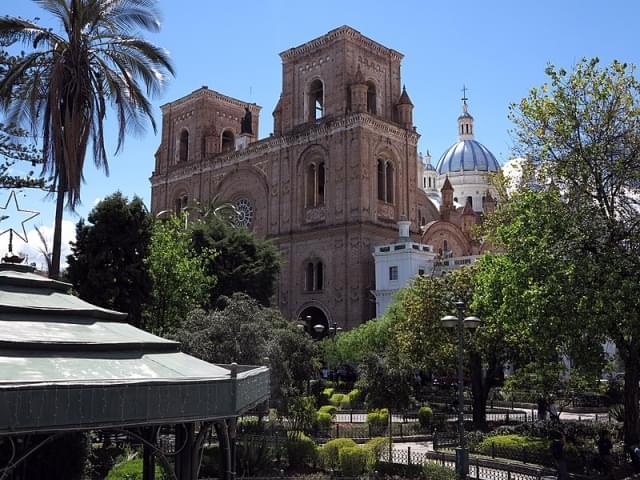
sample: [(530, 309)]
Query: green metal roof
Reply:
[(66, 364)]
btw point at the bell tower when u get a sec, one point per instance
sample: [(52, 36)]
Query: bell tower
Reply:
[(338, 73)]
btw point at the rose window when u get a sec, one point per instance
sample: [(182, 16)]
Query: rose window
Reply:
[(244, 213)]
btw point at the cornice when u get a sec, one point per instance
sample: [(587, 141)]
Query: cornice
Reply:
[(272, 144), (203, 93), (340, 33)]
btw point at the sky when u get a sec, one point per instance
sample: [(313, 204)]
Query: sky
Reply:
[(498, 49)]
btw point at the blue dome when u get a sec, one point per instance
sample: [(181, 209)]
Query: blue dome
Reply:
[(467, 156)]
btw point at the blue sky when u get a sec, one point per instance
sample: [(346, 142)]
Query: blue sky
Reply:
[(498, 49)]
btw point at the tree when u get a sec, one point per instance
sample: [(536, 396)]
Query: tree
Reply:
[(15, 151), (386, 377), (179, 277), (62, 87), (106, 265), (241, 330), (423, 339), (243, 264), (535, 297), (583, 131)]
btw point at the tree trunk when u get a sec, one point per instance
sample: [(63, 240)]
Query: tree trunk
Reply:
[(57, 234), (631, 377), (479, 393), (481, 385)]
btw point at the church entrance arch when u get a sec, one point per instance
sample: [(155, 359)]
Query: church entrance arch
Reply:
[(312, 316)]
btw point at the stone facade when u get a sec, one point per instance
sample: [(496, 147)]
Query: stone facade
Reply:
[(339, 171)]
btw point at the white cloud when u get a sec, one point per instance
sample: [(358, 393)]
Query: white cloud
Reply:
[(32, 249)]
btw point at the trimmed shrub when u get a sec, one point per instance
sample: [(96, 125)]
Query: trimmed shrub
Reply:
[(328, 392), (323, 420), (354, 395), (330, 409), (434, 471), (301, 450), (337, 398), (330, 451), (375, 448), (378, 418), (512, 446), (425, 416), (345, 404), (353, 461)]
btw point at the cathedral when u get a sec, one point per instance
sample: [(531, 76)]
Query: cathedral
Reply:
[(339, 172)]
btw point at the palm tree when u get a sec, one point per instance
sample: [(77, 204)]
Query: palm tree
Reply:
[(62, 88)]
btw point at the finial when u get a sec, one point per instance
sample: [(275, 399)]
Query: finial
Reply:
[(464, 98)]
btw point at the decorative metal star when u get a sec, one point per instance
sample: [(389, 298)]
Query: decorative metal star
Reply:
[(14, 214)]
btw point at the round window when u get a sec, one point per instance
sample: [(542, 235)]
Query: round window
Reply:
[(244, 213)]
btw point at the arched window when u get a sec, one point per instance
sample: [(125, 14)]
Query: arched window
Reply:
[(315, 178), (228, 141), (445, 247), (184, 146), (371, 98), (311, 186), (429, 182), (320, 184), (313, 276), (390, 182), (381, 182), (319, 276), (316, 100), (385, 181), (308, 277), (181, 202)]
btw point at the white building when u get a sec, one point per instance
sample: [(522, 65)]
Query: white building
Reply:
[(397, 263)]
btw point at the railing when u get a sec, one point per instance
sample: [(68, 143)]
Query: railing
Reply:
[(584, 400), (479, 468), (354, 425)]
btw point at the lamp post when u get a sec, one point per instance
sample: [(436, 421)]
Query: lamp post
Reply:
[(460, 323)]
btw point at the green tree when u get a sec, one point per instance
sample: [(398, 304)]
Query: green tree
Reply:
[(241, 330), (62, 87), (16, 152), (386, 377), (179, 277), (106, 265), (243, 264), (423, 339), (535, 296), (582, 129)]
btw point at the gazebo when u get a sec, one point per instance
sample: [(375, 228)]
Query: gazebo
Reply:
[(67, 365)]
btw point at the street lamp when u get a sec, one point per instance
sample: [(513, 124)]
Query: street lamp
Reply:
[(460, 323), (332, 331)]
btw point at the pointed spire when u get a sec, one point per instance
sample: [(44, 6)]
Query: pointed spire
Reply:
[(465, 120), (446, 186), (404, 98)]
